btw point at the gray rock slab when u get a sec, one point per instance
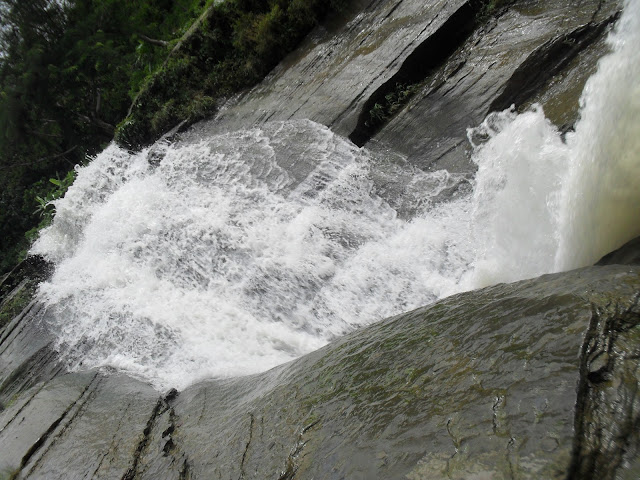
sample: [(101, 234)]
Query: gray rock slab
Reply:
[(479, 385), (27, 354), (80, 425), (25, 424), (535, 379), (431, 130), (330, 77)]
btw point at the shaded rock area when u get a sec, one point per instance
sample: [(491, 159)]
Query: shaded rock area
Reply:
[(18, 286), (536, 379), (628, 254)]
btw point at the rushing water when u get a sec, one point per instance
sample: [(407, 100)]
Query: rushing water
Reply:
[(248, 249)]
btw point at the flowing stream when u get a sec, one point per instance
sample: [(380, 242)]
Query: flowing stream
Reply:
[(245, 250)]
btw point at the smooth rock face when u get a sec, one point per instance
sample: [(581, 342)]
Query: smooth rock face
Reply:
[(479, 385), (508, 60), (463, 63)]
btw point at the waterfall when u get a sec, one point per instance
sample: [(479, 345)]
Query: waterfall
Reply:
[(543, 204), (245, 250)]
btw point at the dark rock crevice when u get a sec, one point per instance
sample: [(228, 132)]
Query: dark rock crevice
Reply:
[(423, 61), (246, 448), (167, 434), (132, 472), (291, 464), (184, 473), (139, 464), (511, 459), (48, 438), (498, 405), (546, 62), (607, 414), (456, 448)]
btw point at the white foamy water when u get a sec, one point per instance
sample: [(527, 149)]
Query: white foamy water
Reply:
[(249, 249), (544, 205), (237, 253)]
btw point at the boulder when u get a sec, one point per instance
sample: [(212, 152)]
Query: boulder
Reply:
[(535, 379)]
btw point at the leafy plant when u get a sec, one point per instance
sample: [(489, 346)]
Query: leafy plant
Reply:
[(392, 103), (43, 195), (378, 113)]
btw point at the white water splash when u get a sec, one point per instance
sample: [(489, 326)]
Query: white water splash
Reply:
[(521, 171), (249, 249), (235, 254), (601, 199), (545, 205)]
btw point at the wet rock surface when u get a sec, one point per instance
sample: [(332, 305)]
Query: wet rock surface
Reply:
[(536, 379), (27, 355), (480, 384), (509, 59), (628, 254), (455, 62)]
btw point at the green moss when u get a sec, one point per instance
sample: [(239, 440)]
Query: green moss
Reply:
[(492, 7), (9, 473), (14, 305)]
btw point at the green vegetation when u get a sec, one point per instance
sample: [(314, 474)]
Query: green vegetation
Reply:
[(14, 305), (44, 193), (381, 112), (69, 72), (235, 45)]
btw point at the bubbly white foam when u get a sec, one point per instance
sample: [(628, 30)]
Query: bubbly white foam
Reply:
[(249, 249), (544, 205), (235, 254)]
